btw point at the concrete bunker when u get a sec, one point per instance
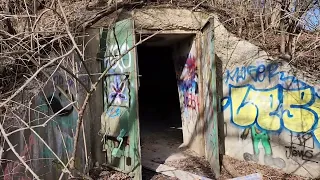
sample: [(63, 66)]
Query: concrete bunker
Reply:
[(240, 60), (159, 96), (114, 110)]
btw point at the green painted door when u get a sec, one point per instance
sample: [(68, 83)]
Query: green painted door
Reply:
[(210, 96), (119, 121)]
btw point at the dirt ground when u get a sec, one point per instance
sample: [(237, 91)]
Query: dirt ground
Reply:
[(162, 147), (245, 168), (161, 144), (199, 166)]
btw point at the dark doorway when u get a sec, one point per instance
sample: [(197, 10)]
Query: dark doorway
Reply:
[(162, 61), (159, 106)]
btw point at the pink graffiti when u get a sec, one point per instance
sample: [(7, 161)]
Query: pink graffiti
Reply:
[(13, 168), (189, 85), (191, 101), (189, 72)]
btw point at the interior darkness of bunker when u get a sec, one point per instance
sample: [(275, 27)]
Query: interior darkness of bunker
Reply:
[(159, 106)]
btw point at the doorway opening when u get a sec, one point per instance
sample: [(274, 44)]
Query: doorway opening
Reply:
[(159, 102)]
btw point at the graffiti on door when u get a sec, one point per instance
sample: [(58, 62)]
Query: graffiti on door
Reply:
[(117, 90), (188, 84)]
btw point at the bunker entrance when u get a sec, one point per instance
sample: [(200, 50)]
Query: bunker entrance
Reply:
[(171, 81), (159, 102)]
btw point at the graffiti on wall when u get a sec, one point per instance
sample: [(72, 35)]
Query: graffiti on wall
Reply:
[(114, 112), (60, 130), (302, 146), (290, 104), (65, 123), (188, 84), (260, 73), (261, 136), (16, 169), (124, 63)]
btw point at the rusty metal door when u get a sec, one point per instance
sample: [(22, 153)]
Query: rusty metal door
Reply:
[(210, 96), (119, 121)]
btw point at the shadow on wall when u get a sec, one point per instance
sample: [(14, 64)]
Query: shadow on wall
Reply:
[(187, 74), (221, 122), (188, 89)]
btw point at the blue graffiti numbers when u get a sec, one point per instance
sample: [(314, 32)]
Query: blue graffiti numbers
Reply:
[(291, 104)]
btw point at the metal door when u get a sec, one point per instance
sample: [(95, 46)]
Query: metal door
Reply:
[(119, 121), (210, 96)]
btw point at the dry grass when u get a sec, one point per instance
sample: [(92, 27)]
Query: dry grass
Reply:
[(28, 40), (244, 168)]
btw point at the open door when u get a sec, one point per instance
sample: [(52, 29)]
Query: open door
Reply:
[(119, 121), (210, 97)]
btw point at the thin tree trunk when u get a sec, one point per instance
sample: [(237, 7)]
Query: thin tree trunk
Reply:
[(275, 15), (266, 14), (262, 27), (282, 28)]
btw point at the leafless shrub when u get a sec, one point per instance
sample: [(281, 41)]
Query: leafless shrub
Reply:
[(38, 38)]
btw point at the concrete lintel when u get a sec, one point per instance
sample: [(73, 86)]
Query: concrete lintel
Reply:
[(176, 31)]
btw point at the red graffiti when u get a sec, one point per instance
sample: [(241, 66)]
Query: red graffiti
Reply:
[(16, 167), (191, 100), (189, 72)]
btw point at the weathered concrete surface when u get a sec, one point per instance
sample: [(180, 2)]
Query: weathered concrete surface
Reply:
[(279, 100), (269, 91), (50, 142), (166, 18), (232, 50), (172, 172), (55, 139), (95, 108), (270, 109), (256, 91)]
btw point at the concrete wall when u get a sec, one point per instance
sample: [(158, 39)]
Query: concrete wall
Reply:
[(54, 138), (95, 108), (186, 61), (169, 19), (270, 110), (51, 138)]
